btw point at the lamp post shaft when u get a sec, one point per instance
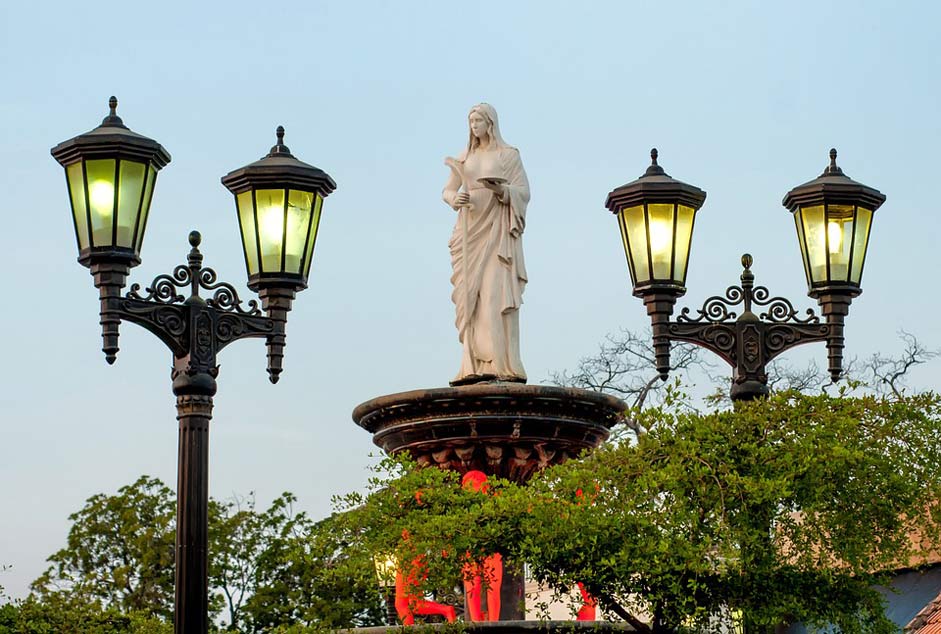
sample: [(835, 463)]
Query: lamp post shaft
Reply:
[(194, 411)]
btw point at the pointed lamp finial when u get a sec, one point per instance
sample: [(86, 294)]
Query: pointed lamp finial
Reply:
[(279, 148), (113, 120), (832, 169), (654, 169)]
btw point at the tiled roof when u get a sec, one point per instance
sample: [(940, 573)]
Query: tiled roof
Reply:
[(928, 621)]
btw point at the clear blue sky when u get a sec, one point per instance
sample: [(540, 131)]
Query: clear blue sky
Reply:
[(743, 99)]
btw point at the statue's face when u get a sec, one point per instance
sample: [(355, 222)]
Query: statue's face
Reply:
[(479, 125)]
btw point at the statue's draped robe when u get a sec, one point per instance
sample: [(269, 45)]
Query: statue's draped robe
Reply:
[(487, 263)]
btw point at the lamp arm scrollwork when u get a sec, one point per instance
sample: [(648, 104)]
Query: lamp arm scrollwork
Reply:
[(745, 340), (163, 288), (195, 329)]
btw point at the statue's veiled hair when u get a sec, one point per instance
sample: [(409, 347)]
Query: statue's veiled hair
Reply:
[(490, 114)]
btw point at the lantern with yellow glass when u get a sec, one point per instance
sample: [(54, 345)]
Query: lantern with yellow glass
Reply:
[(278, 200), (833, 216), (656, 214), (111, 173)]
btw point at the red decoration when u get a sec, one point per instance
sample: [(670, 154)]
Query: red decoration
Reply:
[(407, 602), (490, 569)]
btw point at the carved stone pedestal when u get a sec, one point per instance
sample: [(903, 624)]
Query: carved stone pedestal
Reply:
[(510, 430)]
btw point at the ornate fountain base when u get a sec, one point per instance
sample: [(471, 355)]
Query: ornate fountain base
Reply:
[(510, 430)]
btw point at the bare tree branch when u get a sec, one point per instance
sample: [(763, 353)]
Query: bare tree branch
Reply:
[(625, 367), (888, 374)]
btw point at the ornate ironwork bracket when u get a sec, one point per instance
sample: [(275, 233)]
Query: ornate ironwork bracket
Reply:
[(194, 328), (746, 341)]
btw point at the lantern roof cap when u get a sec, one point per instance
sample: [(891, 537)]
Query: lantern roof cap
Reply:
[(111, 139), (279, 168), (655, 186), (833, 187)]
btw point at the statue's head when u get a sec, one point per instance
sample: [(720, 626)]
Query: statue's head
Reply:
[(483, 123)]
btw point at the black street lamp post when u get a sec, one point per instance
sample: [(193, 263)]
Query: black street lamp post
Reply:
[(833, 215), (111, 173)]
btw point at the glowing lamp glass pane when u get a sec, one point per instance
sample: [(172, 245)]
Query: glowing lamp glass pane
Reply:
[(627, 252), (298, 225), (803, 246), (246, 211), (635, 243), (860, 243), (840, 225), (100, 182), (131, 186), (147, 197), (660, 226), (385, 569), (270, 216), (815, 243), (683, 241), (76, 180), (312, 237)]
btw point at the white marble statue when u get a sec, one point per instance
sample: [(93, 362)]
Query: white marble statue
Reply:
[(489, 190)]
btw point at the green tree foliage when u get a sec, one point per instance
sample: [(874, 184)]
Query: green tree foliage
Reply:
[(313, 575), (236, 540), (785, 509), (119, 552), (64, 614), (269, 570)]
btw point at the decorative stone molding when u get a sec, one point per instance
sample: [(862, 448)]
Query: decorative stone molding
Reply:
[(509, 430)]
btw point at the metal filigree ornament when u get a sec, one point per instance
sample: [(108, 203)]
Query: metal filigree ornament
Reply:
[(745, 340), (194, 328)]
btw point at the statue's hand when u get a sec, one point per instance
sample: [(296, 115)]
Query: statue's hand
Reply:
[(461, 200), (499, 189), (496, 188)]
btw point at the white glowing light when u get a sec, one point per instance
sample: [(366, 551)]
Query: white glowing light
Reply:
[(660, 238), (101, 196), (271, 224), (835, 236)]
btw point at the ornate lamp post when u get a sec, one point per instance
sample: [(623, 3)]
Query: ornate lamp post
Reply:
[(833, 215), (111, 173)]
